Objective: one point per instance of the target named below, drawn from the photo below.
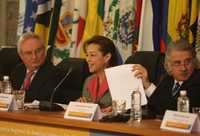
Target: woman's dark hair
(106, 46)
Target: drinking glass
(1, 87)
(118, 107)
(19, 97)
(196, 110)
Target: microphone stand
(49, 105)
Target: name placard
(83, 111)
(179, 121)
(7, 102)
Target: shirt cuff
(149, 91)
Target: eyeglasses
(35, 52)
(178, 63)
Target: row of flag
(133, 25)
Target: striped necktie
(27, 81)
(176, 90)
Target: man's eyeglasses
(186, 62)
(35, 52)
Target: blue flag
(30, 15)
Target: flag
(54, 22)
(197, 47)
(178, 19)
(43, 19)
(74, 34)
(153, 27)
(111, 23)
(63, 40)
(120, 25)
(126, 32)
(111, 19)
(22, 8)
(94, 21)
(137, 24)
(138, 12)
(164, 38)
(193, 11)
(80, 13)
(156, 24)
(30, 16)
(146, 27)
(182, 20)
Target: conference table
(40, 123)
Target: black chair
(8, 61)
(71, 89)
(153, 61)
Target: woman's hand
(107, 109)
(141, 72)
(84, 99)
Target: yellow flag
(94, 21)
(178, 19)
(43, 19)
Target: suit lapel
(38, 80)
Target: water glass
(118, 107)
(19, 97)
(1, 87)
(196, 110)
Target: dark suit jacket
(42, 85)
(162, 99)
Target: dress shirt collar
(179, 82)
(33, 75)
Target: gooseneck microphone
(49, 105)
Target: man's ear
(20, 55)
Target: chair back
(9, 58)
(153, 61)
(73, 84)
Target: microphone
(49, 105)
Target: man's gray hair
(180, 45)
(26, 36)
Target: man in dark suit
(182, 68)
(36, 75)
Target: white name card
(7, 102)
(83, 111)
(180, 121)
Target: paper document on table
(122, 83)
(32, 105)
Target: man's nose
(34, 55)
(183, 66)
(88, 59)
